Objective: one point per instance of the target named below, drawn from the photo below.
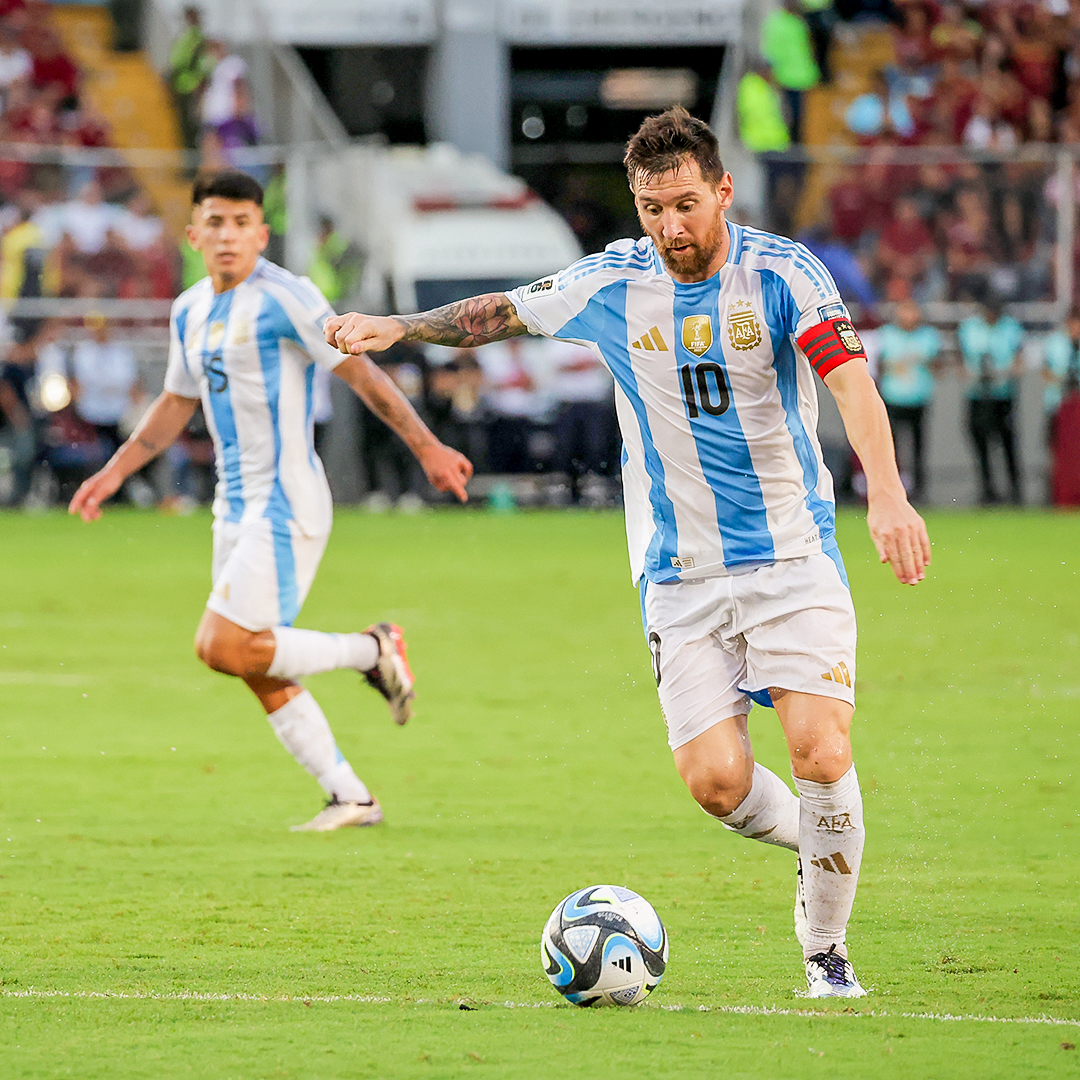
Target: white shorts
(717, 641)
(262, 572)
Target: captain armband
(830, 344)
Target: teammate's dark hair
(227, 184)
(665, 142)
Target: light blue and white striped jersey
(250, 354)
(722, 468)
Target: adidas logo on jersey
(839, 674)
(651, 341)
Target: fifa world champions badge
(744, 330)
(697, 334)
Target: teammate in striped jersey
(246, 340)
(713, 333)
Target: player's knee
(823, 756)
(216, 653)
(719, 791)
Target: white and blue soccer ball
(604, 945)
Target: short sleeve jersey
(250, 353)
(1060, 353)
(722, 469)
(904, 357)
(988, 353)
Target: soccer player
(246, 340)
(713, 333)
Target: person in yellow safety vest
(335, 267)
(786, 45)
(275, 213)
(763, 130)
(762, 126)
(189, 68)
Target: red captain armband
(830, 344)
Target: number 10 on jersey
(705, 387)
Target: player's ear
(192, 235)
(264, 236)
(725, 191)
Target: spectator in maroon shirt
(850, 206)
(35, 120)
(13, 14)
(1034, 49)
(906, 246)
(912, 43)
(52, 66)
(956, 37)
(970, 243)
(951, 105)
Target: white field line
(370, 999)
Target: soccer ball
(604, 945)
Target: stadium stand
(990, 78)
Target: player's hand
(86, 502)
(353, 333)
(900, 536)
(446, 469)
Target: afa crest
(744, 330)
(697, 334)
(848, 336)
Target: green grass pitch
(158, 919)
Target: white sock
(831, 837)
(305, 733)
(769, 813)
(309, 652)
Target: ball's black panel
(587, 972)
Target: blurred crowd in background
(994, 77)
(898, 233)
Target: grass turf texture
(144, 806)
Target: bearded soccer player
(713, 333)
(245, 340)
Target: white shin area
(304, 731)
(769, 813)
(831, 838)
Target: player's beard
(697, 259)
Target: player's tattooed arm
(467, 323)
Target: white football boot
(800, 905)
(828, 974)
(391, 675)
(340, 815)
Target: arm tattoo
(147, 444)
(467, 323)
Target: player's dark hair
(227, 184)
(665, 142)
